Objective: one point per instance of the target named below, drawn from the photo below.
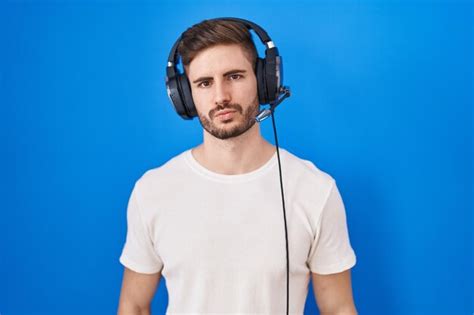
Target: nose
(222, 93)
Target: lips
(223, 112)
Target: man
(210, 219)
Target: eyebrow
(225, 74)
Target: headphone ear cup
(272, 71)
(174, 95)
(261, 82)
(186, 96)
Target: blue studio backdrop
(382, 100)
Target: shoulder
(307, 189)
(302, 169)
(305, 182)
(159, 177)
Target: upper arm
(333, 293)
(137, 290)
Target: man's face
(224, 89)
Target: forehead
(217, 60)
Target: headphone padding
(271, 79)
(186, 96)
(175, 96)
(261, 84)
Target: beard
(241, 120)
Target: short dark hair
(209, 33)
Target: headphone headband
(261, 33)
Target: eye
(204, 84)
(235, 76)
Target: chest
(224, 230)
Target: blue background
(382, 100)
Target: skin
(222, 79)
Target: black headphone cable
(284, 217)
(285, 92)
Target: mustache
(234, 106)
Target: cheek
(200, 99)
(249, 90)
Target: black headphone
(269, 73)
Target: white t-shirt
(219, 240)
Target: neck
(238, 155)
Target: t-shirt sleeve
(331, 251)
(138, 253)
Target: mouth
(224, 112)
(225, 115)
